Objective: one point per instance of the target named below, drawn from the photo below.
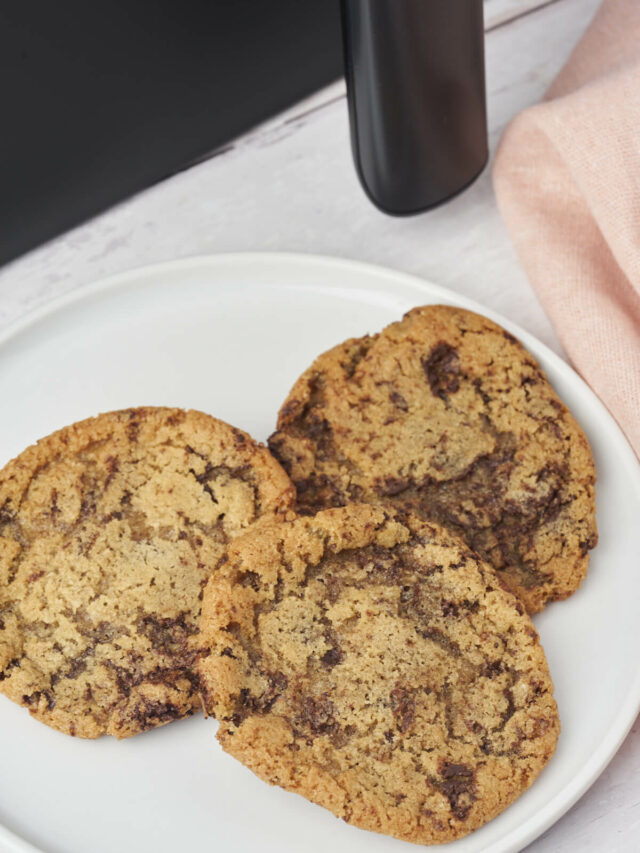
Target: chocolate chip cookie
(109, 530)
(446, 414)
(370, 661)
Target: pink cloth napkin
(567, 180)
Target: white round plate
(229, 335)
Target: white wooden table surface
(290, 185)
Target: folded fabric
(567, 181)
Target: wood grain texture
(500, 12)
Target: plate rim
(627, 712)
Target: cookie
(109, 530)
(368, 660)
(447, 415)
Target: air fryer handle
(416, 93)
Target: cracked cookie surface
(447, 415)
(109, 530)
(368, 660)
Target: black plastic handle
(416, 92)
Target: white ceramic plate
(229, 335)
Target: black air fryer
(101, 100)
